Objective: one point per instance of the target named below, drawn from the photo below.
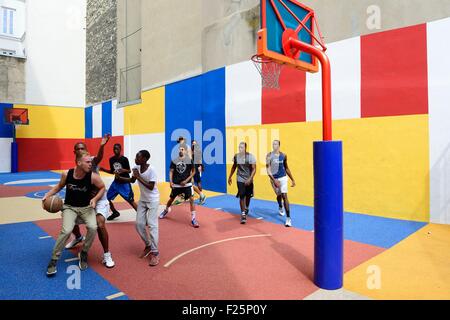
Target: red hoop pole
(326, 83)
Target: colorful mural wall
(390, 109)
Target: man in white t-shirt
(147, 209)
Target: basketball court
(369, 209)
(222, 259)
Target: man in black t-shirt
(120, 166)
(181, 173)
(78, 203)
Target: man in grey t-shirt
(245, 163)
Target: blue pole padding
(14, 158)
(328, 215)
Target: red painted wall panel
(289, 103)
(57, 154)
(394, 72)
(94, 144)
(45, 154)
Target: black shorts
(197, 177)
(186, 191)
(244, 191)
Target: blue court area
(27, 179)
(372, 230)
(41, 194)
(23, 262)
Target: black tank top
(78, 191)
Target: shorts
(283, 186)
(197, 177)
(244, 191)
(102, 208)
(187, 191)
(124, 189)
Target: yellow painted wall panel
(385, 162)
(52, 122)
(147, 116)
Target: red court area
(266, 261)
(13, 191)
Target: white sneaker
(281, 212)
(74, 242)
(288, 222)
(107, 260)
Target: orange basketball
(53, 204)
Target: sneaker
(74, 242)
(114, 215)
(202, 200)
(195, 223)
(51, 268)
(288, 222)
(154, 259)
(108, 261)
(83, 260)
(243, 218)
(163, 214)
(281, 211)
(145, 253)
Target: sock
(201, 195)
(243, 212)
(288, 214)
(192, 215)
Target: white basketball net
(269, 71)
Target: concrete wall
(12, 79)
(171, 41)
(207, 34)
(342, 19)
(101, 50)
(56, 53)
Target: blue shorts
(124, 189)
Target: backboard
(16, 116)
(281, 19)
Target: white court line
(116, 295)
(218, 209)
(29, 181)
(44, 237)
(210, 244)
(71, 259)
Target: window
(7, 15)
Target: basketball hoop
(269, 70)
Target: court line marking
(44, 237)
(29, 181)
(212, 243)
(116, 295)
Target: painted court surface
(220, 260)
